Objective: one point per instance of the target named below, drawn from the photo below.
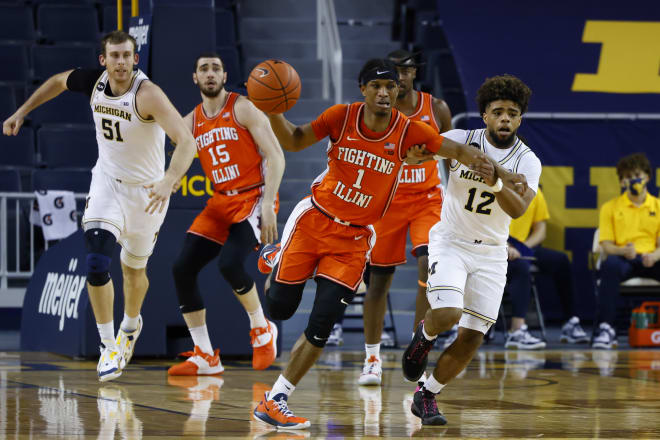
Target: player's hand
(486, 170)
(513, 253)
(159, 193)
(517, 182)
(471, 157)
(630, 253)
(11, 126)
(268, 223)
(418, 154)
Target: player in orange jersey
(241, 156)
(416, 206)
(329, 235)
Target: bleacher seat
(16, 23)
(225, 29)
(67, 108)
(10, 180)
(229, 56)
(67, 180)
(18, 151)
(16, 71)
(68, 23)
(110, 17)
(7, 101)
(49, 60)
(67, 147)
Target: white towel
(55, 212)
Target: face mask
(636, 186)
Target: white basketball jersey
(131, 149)
(470, 211)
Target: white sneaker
(110, 362)
(126, 342)
(522, 339)
(606, 337)
(451, 337)
(371, 372)
(335, 338)
(572, 332)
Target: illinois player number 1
(358, 182)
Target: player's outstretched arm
(152, 103)
(53, 86)
(292, 137)
(260, 129)
(420, 133)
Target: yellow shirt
(622, 222)
(537, 211)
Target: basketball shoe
(372, 372)
(425, 407)
(572, 332)
(264, 349)
(126, 342)
(199, 364)
(110, 362)
(415, 357)
(277, 413)
(522, 339)
(267, 257)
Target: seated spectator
(526, 235)
(629, 231)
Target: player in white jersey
(130, 190)
(467, 249)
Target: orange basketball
(273, 86)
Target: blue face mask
(636, 186)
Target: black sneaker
(416, 355)
(425, 407)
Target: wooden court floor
(502, 394)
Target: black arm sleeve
(83, 80)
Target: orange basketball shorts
(315, 245)
(417, 212)
(222, 211)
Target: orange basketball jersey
(422, 177)
(362, 174)
(228, 154)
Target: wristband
(498, 186)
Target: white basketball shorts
(468, 276)
(120, 208)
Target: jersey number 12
(481, 207)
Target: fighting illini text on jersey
(363, 173)
(425, 176)
(226, 150)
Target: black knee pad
(385, 270)
(100, 245)
(329, 305)
(235, 274)
(422, 251)
(282, 300)
(185, 280)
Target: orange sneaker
(263, 353)
(278, 414)
(267, 257)
(199, 364)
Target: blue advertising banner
(140, 29)
(584, 56)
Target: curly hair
(629, 164)
(505, 87)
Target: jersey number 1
(109, 133)
(489, 198)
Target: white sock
(427, 336)
(281, 386)
(129, 324)
(372, 350)
(257, 318)
(107, 331)
(422, 379)
(433, 385)
(200, 337)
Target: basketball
(273, 86)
